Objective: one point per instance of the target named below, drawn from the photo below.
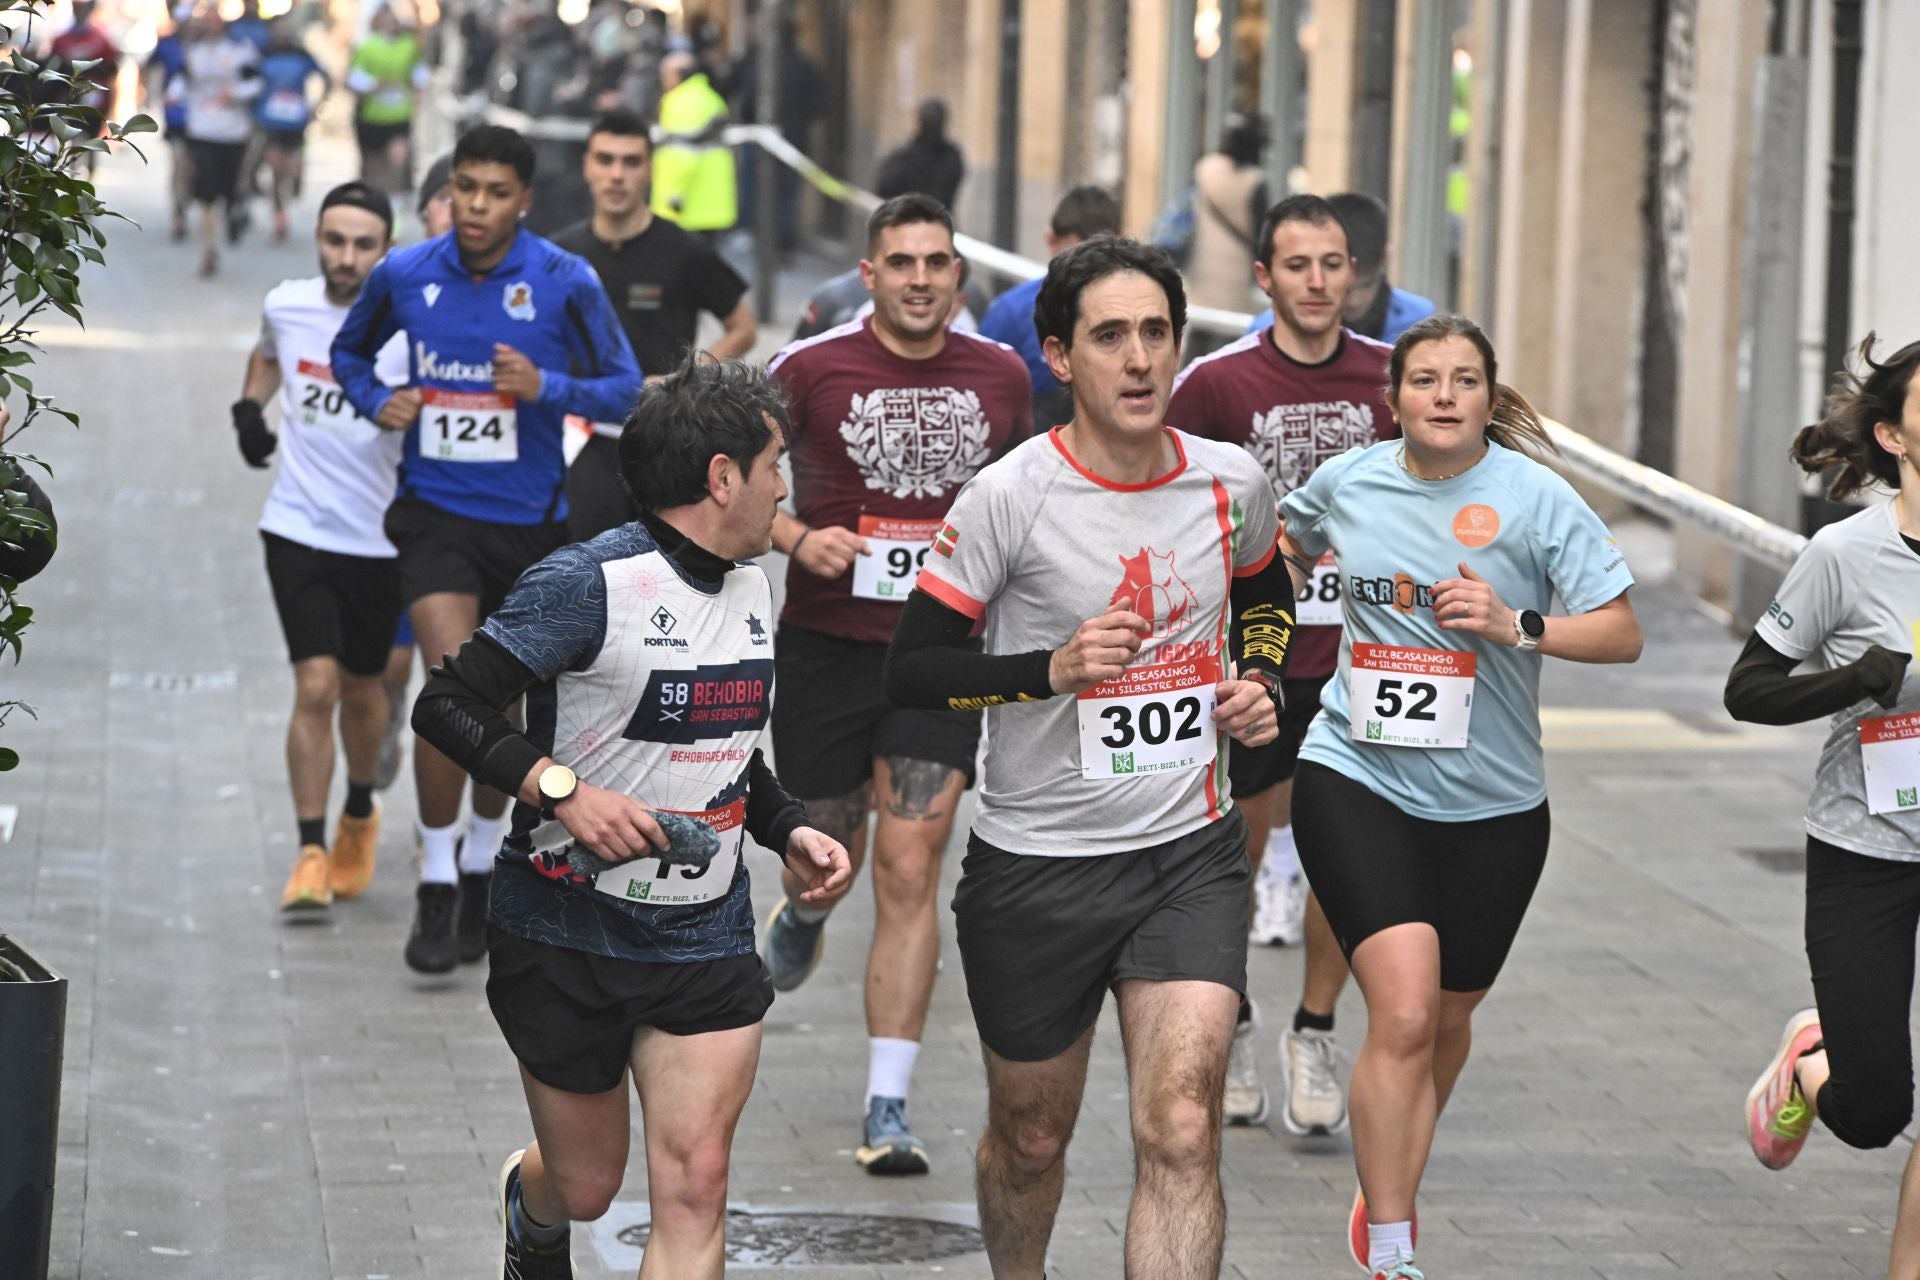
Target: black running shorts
(1252, 770)
(1042, 939)
(440, 551)
(333, 605)
(570, 1016)
(1373, 865)
(216, 169)
(831, 717)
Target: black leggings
(1861, 916)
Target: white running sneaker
(1245, 1100)
(1279, 910)
(1310, 1074)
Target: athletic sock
(313, 831)
(1282, 854)
(359, 800)
(529, 1230)
(484, 837)
(436, 854)
(810, 915)
(890, 1066)
(1388, 1243)
(1304, 1021)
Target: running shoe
(1245, 1100)
(307, 888)
(890, 1146)
(388, 766)
(471, 929)
(354, 842)
(1310, 1078)
(519, 1261)
(1279, 911)
(793, 948)
(431, 947)
(1778, 1114)
(1401, 1270)
(1357, 1235)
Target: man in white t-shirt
(328, 560)
(1136, 618)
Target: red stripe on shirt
(1265, 560)
(949, 595)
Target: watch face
(1532, 623)
(557, 782)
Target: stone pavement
(246, 1099)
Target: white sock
(436, 854)
(484, 837)
(890, 1066)
(810, 915)
(1388, 1243)
(1282, 854)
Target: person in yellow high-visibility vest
(693, 174)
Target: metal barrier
(1580, 456)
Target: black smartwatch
(1266, 681)
(1528, 628)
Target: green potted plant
(50, 224)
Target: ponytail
(1843, 439)
(1515, 424)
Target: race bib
(1153, 719)
(469, 426)
(897, 550)
(1410, 697)
(319, 404)
(393, 95)
(1890, 757)
(1319, 604)
(285, 107)
(658, 883)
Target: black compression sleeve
(929, 665)
(1262, 631)
(1761, 690)
(772, 814)
(461, 712)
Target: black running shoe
(430, 947)
(519, 1261)
(472, 927)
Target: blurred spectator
(928, 162)
(803, 97)
(387, 72)
(164, 79)
(693, 177)
(251, 27)
(1229, 199)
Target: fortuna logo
(1153, 589)
(663, 620)
(430, 365)
(518, 300)
(431, 293)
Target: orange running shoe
(307, 888)
(1357, 1231)
(353, 851)
(1778, 1115)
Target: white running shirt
(338, 471)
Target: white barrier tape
(1646, 488)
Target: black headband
(358, 195)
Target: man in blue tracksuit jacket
(506, 335)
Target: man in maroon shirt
(892, 414)
(1295, 395)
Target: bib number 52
(1411, 700)
(1154, 724)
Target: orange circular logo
(1476, 525)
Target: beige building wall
(1146, 112)
(1333, 63)
(1530, 179)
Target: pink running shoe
(1778, 1114)
(1357, 1243)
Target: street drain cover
(814, 1239)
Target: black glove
(1882, 672)
(256, 442)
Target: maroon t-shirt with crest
(1291, 417)
(881, 444)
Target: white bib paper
(320, 405)
(1890, 758)
(1319, 604)
(652, 881)
(1400, 697)
(897, 550)
(1153, 719)
(469, 426)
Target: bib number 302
(469, 426)
(1155, 719)
(1398, 697)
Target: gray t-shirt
(1036, 545)
(1857, 584)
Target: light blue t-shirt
(1519, 526)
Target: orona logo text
(431, 365)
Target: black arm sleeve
(772, 814)
(1761, 690)
(461, 712)
(1262, 630)
(929, 665)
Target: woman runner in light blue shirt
(1420, 805)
